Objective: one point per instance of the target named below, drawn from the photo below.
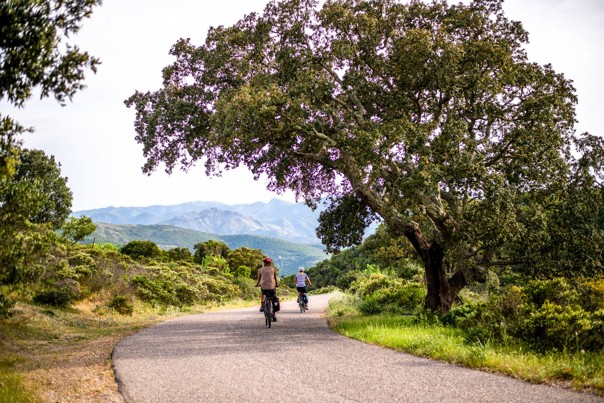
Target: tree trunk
(441, 292)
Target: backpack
(276, 304)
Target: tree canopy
(427, 116)
(35, 56)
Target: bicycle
(301, 298)
(268, 311)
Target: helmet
(267, 260)
(300, 268)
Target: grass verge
(580, 371)
(51, 354)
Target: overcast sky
(93, 137)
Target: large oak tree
(427, 116)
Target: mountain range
(293, 222)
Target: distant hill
(288, 256)
(293, 222)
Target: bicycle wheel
(268, 309)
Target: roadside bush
(62, 294)
(394, 296)
(556, 327)
(165, 290)
(247, 287)
(591, 294)
(243, 271)
(545, 315)
(6, 304)
(121, 305)
(365, 286)
(182, 284)
(346, 280)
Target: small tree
(76, 229)
(180, 254)
(246, 257)
(210, 248)
(137, 249)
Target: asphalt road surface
(231, 356)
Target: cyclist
(300, 281)
(267, 280)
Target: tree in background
(428, 116)
(210, 248)
(76, 229)
(138, 249)
(37, 190)
(180, 254)
(247, 258)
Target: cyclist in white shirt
(300, 280)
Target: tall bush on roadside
(545, 315)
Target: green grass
(12, 388)
(581, 371)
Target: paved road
(231, 356)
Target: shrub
(556, 327)
(371, 305)
(6, 304)
(591, 294)
(138, 249)
(243, 271)
(180, 254)
(392, 296)
(121, 304)
(556, 290)
(545, 315)
(60, 295)
(365, 286)
(247, 287)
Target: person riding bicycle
(268, 282)
(300, 281)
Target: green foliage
(39, 192)
(247, 287)
(24, 250)
(76, 229)
(121, 304)
(141, 249)
(379, 293)
(33, 53)
(210, 248)
(243, 271)
(34, 200)
(60, 294)
(247, 258)
(180, 254)
(545, 315)
(380, 252)
(293, 255)
(6, 304)
(180, 285)
(217, 263)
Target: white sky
(93, 137)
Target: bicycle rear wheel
(268, 311)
